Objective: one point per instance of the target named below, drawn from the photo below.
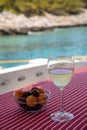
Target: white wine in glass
(61, 69)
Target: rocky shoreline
(20, 24)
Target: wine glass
(61, 69)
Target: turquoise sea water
(67, 41)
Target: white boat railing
(35, 71)
(17, 77)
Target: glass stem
(61, 103)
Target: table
(75, 99)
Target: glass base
(62, 116)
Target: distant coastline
(20, 24)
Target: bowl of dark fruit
(32, 99)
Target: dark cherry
(35, 92)
(37, 107)
(26, 94)
(34, 88)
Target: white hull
(17, 77)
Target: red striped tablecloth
(75, 99)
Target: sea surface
(67, 41)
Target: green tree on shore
(38, 7)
